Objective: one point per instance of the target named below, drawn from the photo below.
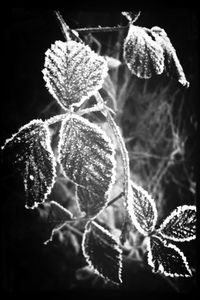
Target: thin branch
(124, 153)
(77, 220)
(65, 28)
(115, 199)
(87, 218)
(102, 29)
(63, 25)
(94, 108)
(77, 231)
(135, 154)
(98, 107)
(73, 229)
(67, 31)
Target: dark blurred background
(27, 264)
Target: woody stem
(124, 153)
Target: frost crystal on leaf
(180, 225)
(30, 149)
(102, 252)
(143, 56)
(73, 72)
(172, 65)
(87, 158)
(166, 258)
(142, 210)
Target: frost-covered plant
(86, 155)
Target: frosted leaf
(166, 258)
(30, 149)
(142, 210)
(180, 225)
(102, 252)
(73, 72)
(143, 56)
(87, 158)
(172, 64)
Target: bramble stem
(77, 231)
(65, 28)
(59, 118)
(102, 29)
(97, 107)
(74, 229)
(69, 227)
(124, 153)
(115, 199)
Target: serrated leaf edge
(112, 157)
(175, 212)
(87, 229)
(35, 121)
(131, 211)
(48, 145)
(150, 40)
(172, 246)
(48, 148)
(94, 56)
(172, 53)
